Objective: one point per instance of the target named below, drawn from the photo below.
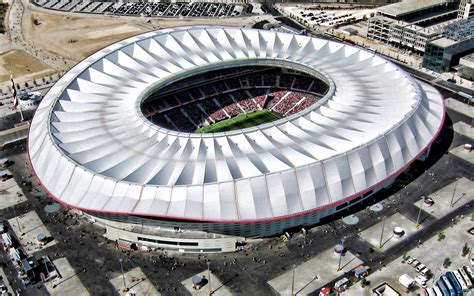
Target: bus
(469, 272)
(438, 291)
(449, 287)
(442, 287)
(454, 282)
(465, 277)
(461, 281)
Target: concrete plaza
(31, 225)
(11, 194)
(464, 129)
(136, 282)
(463, 154)
(374, 236)
(459, 107)
(314, 273)
(69, 283)
(458, 192)
(217, 287)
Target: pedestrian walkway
(457, 193)
(314, 273)
(217, 287)
(462, 153)
(464, 129)
(136, 282)
(459, 107)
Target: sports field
(240, 122)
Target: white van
(342, 284)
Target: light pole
(209, 276)
(125, 289)
(340, 255)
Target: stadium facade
(93, 149)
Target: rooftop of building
(405, 7)
(468, 58)
(443, 42)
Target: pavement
(136, 282)
(11, 193)
(447, 198)
(313, 274)
(381, 235)
(464, 129)
(69, 283)
(460, 107)
(30, 226)
(463, 154)
(217, 287)
(4, 281)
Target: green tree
(465, 250)
(446, 263)
(441, 236)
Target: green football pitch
(240, 122)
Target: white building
(29, 100)
(92, 148)
(466, 9)
(410, 24)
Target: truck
(406, 281)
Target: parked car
(450, 80)
(410, 260)
(342, 284)
(420, 267)
(421, 280)
(415, 263)
(425, 271)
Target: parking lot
(315, 273)
(427, 253)
(148, 9)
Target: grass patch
(240, 122)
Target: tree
(446, 263)
(441, 236)
(465, 250)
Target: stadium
(196, 138)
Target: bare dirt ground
(64, 39)
(21, 64)
(76, 36)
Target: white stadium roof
(92, 148)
